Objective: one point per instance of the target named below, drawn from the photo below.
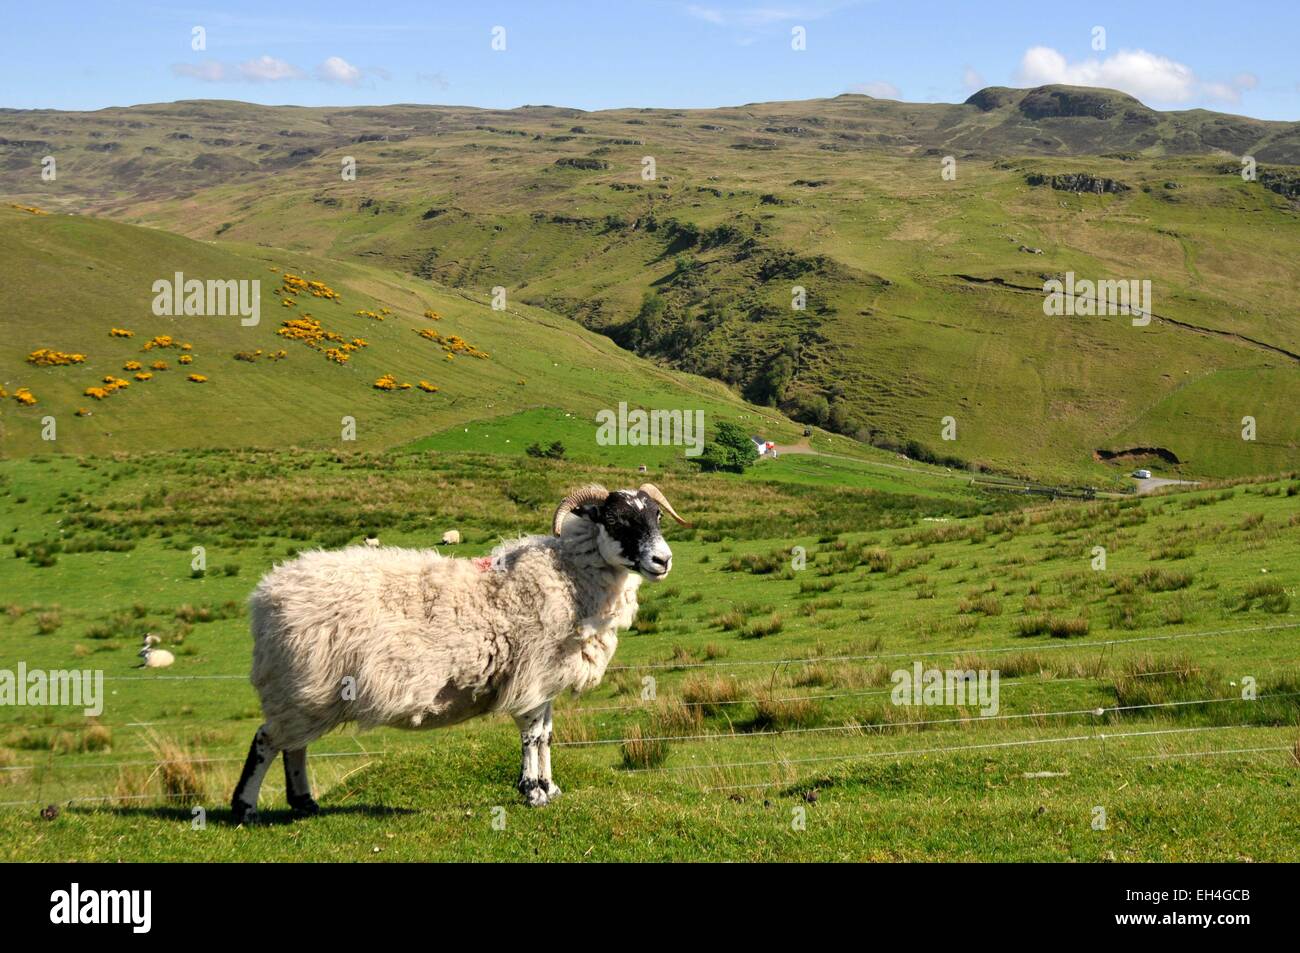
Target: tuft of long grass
(179, 773)
(710, 693)
(641, 751)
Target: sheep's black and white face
(628, 533)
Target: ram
(411, 639)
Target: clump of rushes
(640, 751)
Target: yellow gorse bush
(24, 396)
(131, 366)
(452, 343)
(47, 357)
(111, 385)
(197, 379)
(310, 331)
(295, 284)
(120, 333)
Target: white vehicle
(1142, 474)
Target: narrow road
(1151, 484)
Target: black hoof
(304, 806)
(534, 794)
(243, 813)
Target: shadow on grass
(265, 818)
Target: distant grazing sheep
(413, 639)
(451, 538)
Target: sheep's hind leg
(530, 739)
(544, 757)
(297, 786)
(243, 803)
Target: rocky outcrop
(1047, 102)
(1078, 182)
(1137, 453)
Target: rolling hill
(923, 292)
(69, 280)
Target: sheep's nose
(660, 564)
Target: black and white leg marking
(531, 727)
(297, 786)
(544, 757)
(244, 801)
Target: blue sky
(617, 53)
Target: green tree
(731, 450)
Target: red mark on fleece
(482, 563)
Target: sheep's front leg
(531, 726)
(544, 757)
(243, 803)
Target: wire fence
(961, 650)
(710, 737)
(812, 659)
(884, 726)
(942, 749)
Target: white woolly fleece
(412, 639)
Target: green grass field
(776, 734)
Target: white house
(763, 446)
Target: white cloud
(877, 89)
(338, 70)
(267, 69)
(971, 79)
(1148, 76)
(208, 71)
(755, 18)
(264, 69)
(707, 14)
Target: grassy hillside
(923, 294)
(69, 280)
(772, 683)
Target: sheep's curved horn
(591, 493)
(652, 491)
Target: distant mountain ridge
(208, 140)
